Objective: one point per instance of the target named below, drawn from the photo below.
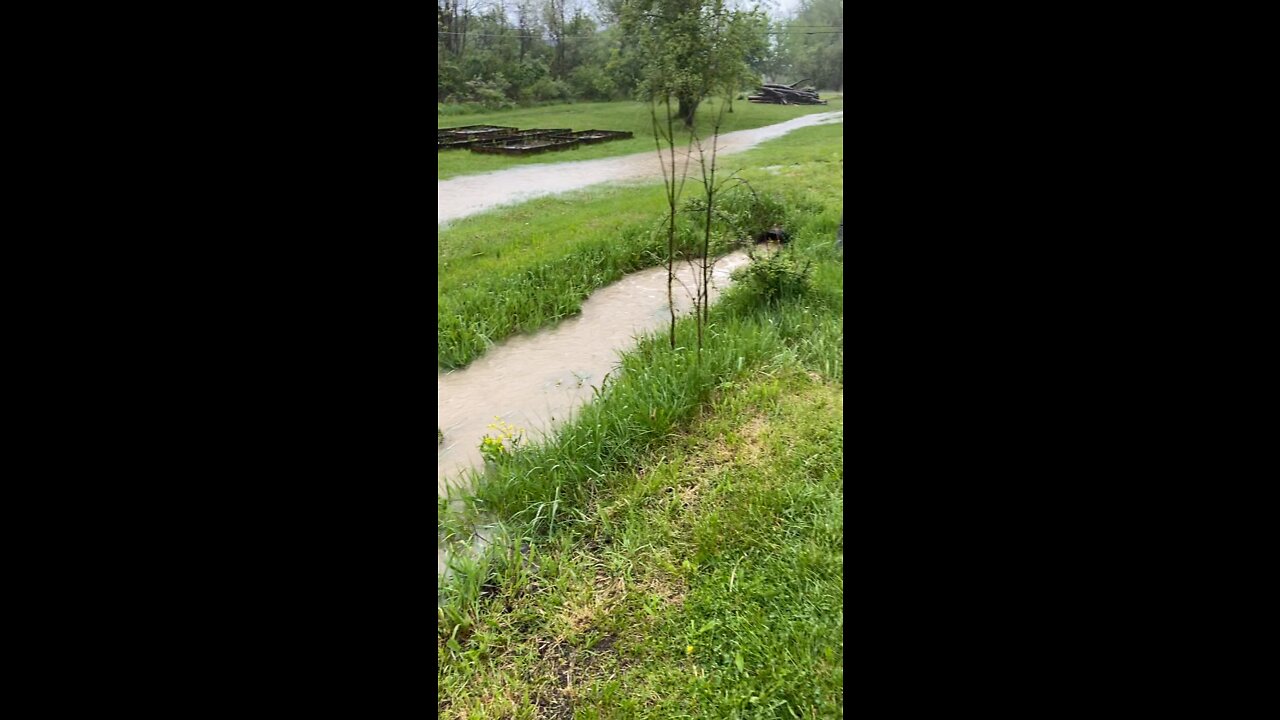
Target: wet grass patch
(706, 582)
(524, 268)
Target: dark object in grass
(840, 236)
(773, 234)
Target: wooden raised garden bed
(478, 130)
(589, 137)
(499, 140)
(460, 137)
(540, 132)
(523, 145)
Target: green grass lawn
(681, 541)
(626, 115)
(707, 583)
(522, 268)
(677, 549)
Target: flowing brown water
(462, 196)
(536, 381)
(533, 381)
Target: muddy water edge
(535, 381)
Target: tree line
(503, 53)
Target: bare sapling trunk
(669, 191)
(673, 186)
(706, 265)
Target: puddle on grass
(485, 535)
(534, 381)
(469, 194)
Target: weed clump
(503, 443)
(773, 277)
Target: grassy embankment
(678, 547)
(703, 581)
(626, 116)
(524, 268)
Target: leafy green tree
(497, 52)
(690, 49)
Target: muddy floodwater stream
(469, 194)
(533, 381)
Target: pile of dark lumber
(786, 95)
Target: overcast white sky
(783, 7)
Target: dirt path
(467, 195)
